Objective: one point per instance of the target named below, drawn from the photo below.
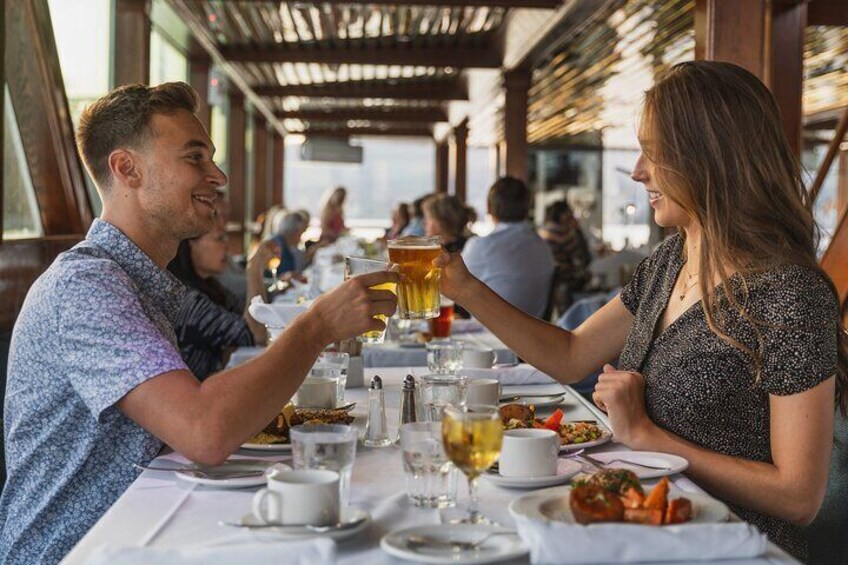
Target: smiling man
(95, 378)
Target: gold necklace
(688, 285)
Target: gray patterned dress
(703, 389)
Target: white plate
(277, 447)
(606, 435)
(552, 505)
(235, 465)
(493, 550)
(565, 470)
(675, 463)
(539, 401)
(349, 514)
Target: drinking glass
(444, 357)
(341, 362)
(431, 479)
(326, 446)
(441, 325)
(472, 436)
(439, 391)
(355, 266)
(418, 291)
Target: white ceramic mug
(307, 496)
(529, 453)
(316, 392)
(483, 391)
(478, 358)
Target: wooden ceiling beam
(370, 131)
(541, 4)
(827, 13)
(402, 115)
(483, 57)
(443, 91)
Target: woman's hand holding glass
(456, 282)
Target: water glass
(342, 362)
(431, 479)
(355, 266)
(326, 446)
(438, 391)
(444, 357)
(323, 368)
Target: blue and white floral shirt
(95, 325)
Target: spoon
(310, 527)
(415, 541)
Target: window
(167, 63)
(21, 218)
(481, 176)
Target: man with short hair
(95, 378)
(512, 260)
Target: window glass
(167, 63)
(21, 218)
(82, 32)
(481, 176)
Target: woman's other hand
(621, 394)
(456, 281)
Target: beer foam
(416, 247)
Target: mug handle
(274, 506)
(495, 360)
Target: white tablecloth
(391, 354)
(159, 510)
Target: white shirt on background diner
(514, 262)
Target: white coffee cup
(307, 496)
(483, 391)
(316, 392)
(529, 453)
(478, 358)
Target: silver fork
(215, 475)
(600, 463)
(415, 540)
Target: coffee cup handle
(495, 358)
(274, 506)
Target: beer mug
(418, 291)
(355, 266)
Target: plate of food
(275, 436)
(572, 435)
(617, 496)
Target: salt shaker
(376, 434)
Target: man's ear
(125, 168)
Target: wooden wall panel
(131, 42)
(237, 173)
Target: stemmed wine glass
(273, 265)
(472, 436)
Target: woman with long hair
(730, 339)
(332, 215)
(447, 217)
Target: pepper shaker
(376, 434)
(407, 402)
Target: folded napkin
(557, 542)
(522, 374)
(316, 551)
(274, 315)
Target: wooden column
(278, 172)
(516, 85)
(460, 143)
(442, 166)
(131, 42)
(199, 65)
(260, 165)
(764, 37)
(236, 160)
(842, 182)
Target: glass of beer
(355, 266)
(472, 436)
(418, 291)
(440, 326)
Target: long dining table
(161, 511)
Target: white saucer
(493, 550)
(565, 470)
(606, 435)
(539, 401)
(675, 463)
(349, 514)
(235, 465)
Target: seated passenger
(447, 217)
(212, 320)
(290, 230)
(512, 260)
(95, 378)
(730, 336)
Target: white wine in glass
(355, 266)
(472, 436)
